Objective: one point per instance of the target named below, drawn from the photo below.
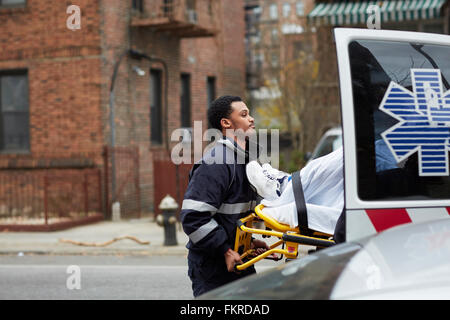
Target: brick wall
(70, 72)
(63, 75)
(63, 69)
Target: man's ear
(225, 123)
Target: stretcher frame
(289, 239)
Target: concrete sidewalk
(18, 243)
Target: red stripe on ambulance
(383, 219)
(364, 222)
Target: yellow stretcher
(287, 245)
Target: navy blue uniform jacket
(217, 196)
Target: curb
(52, 227)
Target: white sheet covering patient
(322, 181)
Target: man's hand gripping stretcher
(295, 208)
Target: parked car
(330, 141)
(405, 262)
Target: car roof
(400, 260)
(334, 131)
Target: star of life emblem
(424, 121)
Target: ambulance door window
(402, 119)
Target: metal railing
(178, 11)
(41, 198)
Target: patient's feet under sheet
(323, 187)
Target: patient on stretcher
(323, 188)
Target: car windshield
(402, 117)
(329, 144)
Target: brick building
(270, 24)
(56, 78)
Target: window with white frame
(273, 11)
(300, 8)
(286, 9)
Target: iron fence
(49, 199)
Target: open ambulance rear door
(395, 101)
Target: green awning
(352, 12)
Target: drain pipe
(113, 125)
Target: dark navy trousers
(208, 273)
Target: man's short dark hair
(221, 108)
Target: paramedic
(218, 194)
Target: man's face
(240, 118)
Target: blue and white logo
(424, 121)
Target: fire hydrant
(167, 219)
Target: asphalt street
(42, 277)
(93, 277)
(37, 265)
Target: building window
(273, 11)
(210, 8)
(138, 5)
(258, 59)
(190, 4)
(14, 116)
(12, 3)
(256, 39)
(156, 106)
(286, 9)
(274, 34)
(300, 8)
(210, 92)
(274, 60)
(168, 8)
(185, 100)
(211, 89)
(257, 11)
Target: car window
(329, 144)
(401, 124)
